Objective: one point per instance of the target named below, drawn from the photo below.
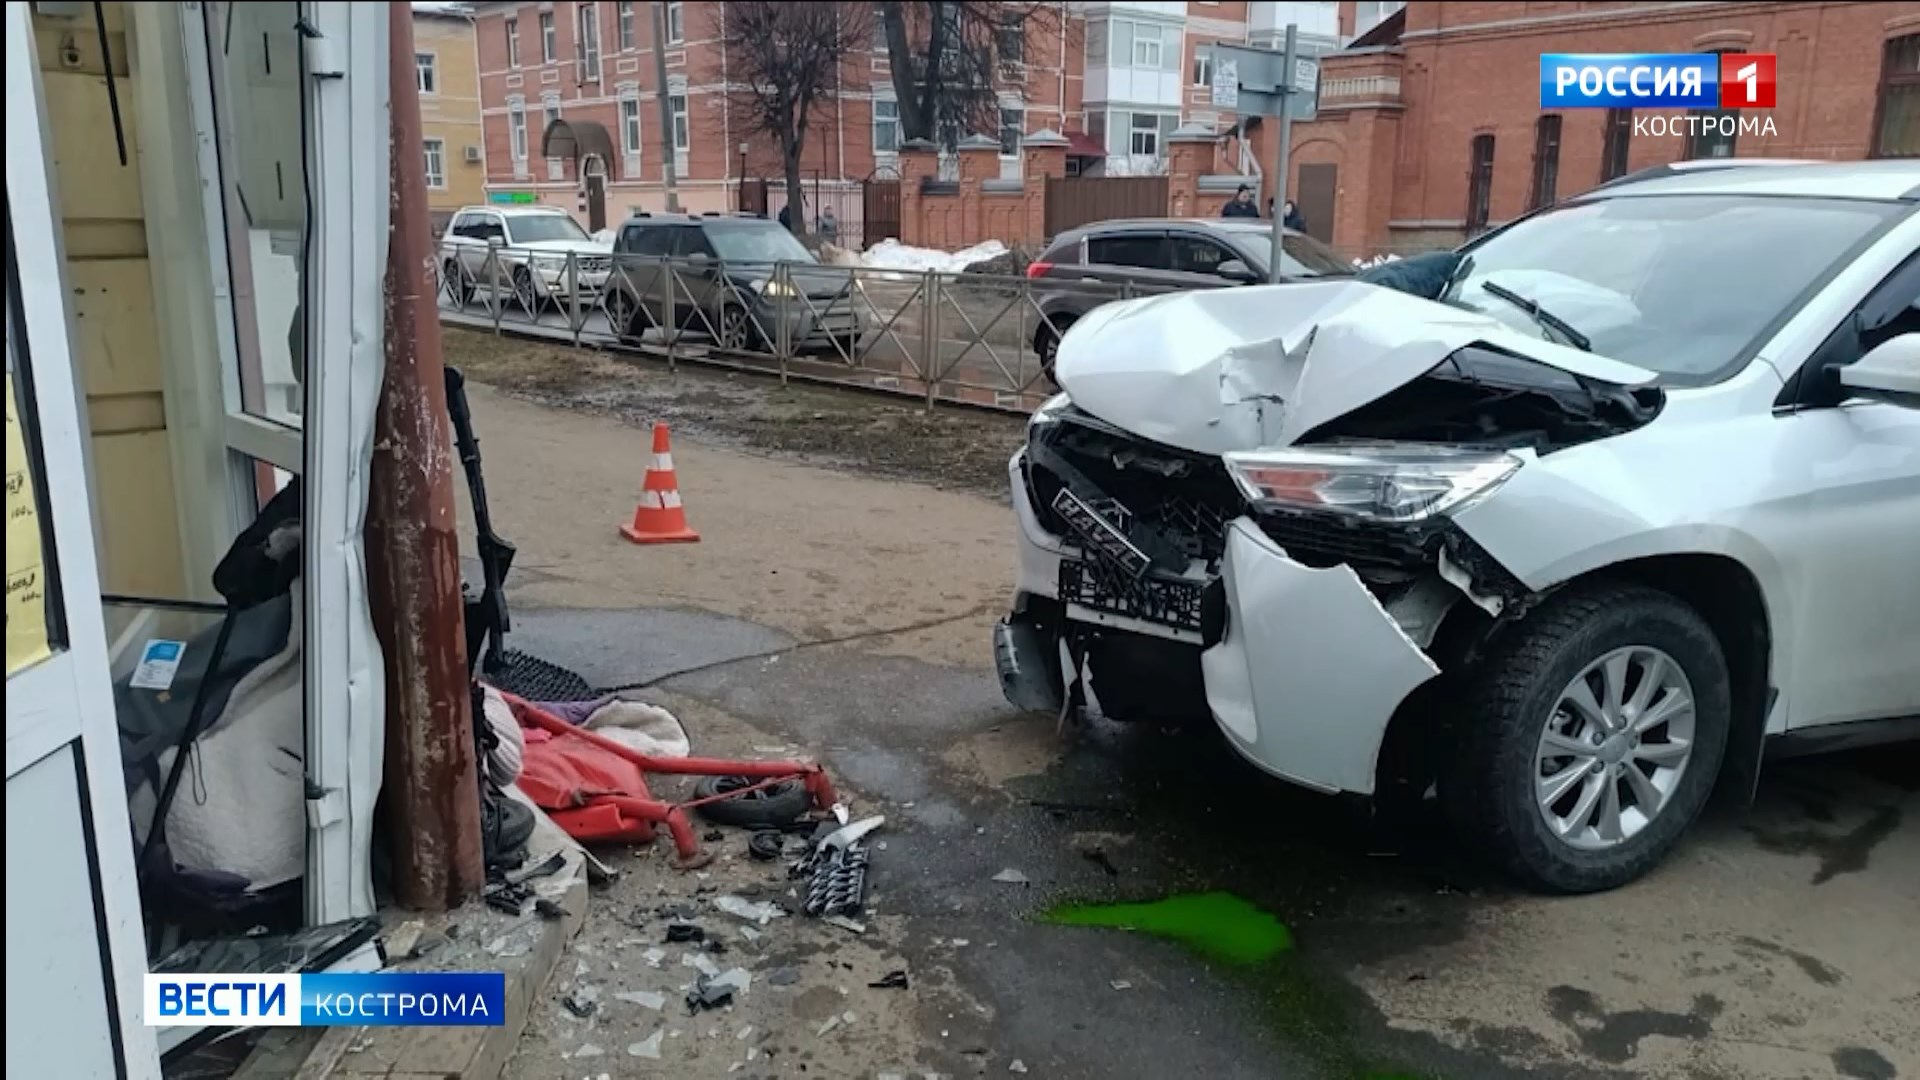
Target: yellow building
(448, 74)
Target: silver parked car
(530, 246)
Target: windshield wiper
(1546, 319)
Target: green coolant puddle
(1218, 924)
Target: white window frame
(676, 24)
(549, 38)
(587, 40)
(625, 26)
(435, 150)
(889, 123)
(632, 130)
(1158, 41)
(682, 125)
(426, 71)
(1134, 130)
(1202, 67)
(517, 131)
(513, 42)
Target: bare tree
(950, 57)
(786, 58)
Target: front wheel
(1591, 738)
(737, 332)
(525, 292)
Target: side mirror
(1235, 270)
(1890, 372)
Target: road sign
(1306, 74)
(1226, 83)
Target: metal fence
(974, 338)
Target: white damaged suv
(1633, 500)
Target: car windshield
(1682, 285)
(534, 228)
(1301, 255)
(756, 242)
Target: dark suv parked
(1161, 255)
(725, 281)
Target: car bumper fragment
(1310, 668)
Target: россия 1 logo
(1657, 80)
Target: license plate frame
(1163, 601)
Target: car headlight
(766, 287)
(1049, 410)
(1378, 481)
(550, 263)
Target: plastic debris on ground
(892, 980)
(762, 913)
(1010, 876)
(681, 932)
(1016, 1066)
(844, 923)
(714, 991)
(646, 999)
(583, 1002)
(648, 1048)
(587, 1050)
(1121, 984)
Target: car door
(1196, 260)
(453, 244)
(1131, 262)
(698, 291)
(488, 231)
(1847, 526)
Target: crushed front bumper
(1302, 674)
(1310, 669)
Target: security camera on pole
(1266, 82)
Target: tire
(1046, 343)
(736, 331)
(523, 289)
(621, 313)
(769, 807)
(458, 285)
(1504, 761)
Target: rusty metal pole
(430, 794)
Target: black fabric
(1237, 209)
(265, 558)
(505, 823)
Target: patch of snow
(891, 254)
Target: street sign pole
(1285, 138)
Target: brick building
(593, 62)
(1115, 77)
(1429, 127)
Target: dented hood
(1234, 369)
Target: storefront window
(253, 52)
(35, 624)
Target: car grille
(595, 264)
(1172, 504)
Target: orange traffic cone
(659, 519)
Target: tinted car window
(691, 241)
(536, 227)
(1144, 251)
(460, 224)
(649, 240)
(1199, 255)
(487, 228)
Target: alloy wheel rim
(733, 329)
(1614, 749)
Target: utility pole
(431, 796)
(666, 107)
(1285, 139)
